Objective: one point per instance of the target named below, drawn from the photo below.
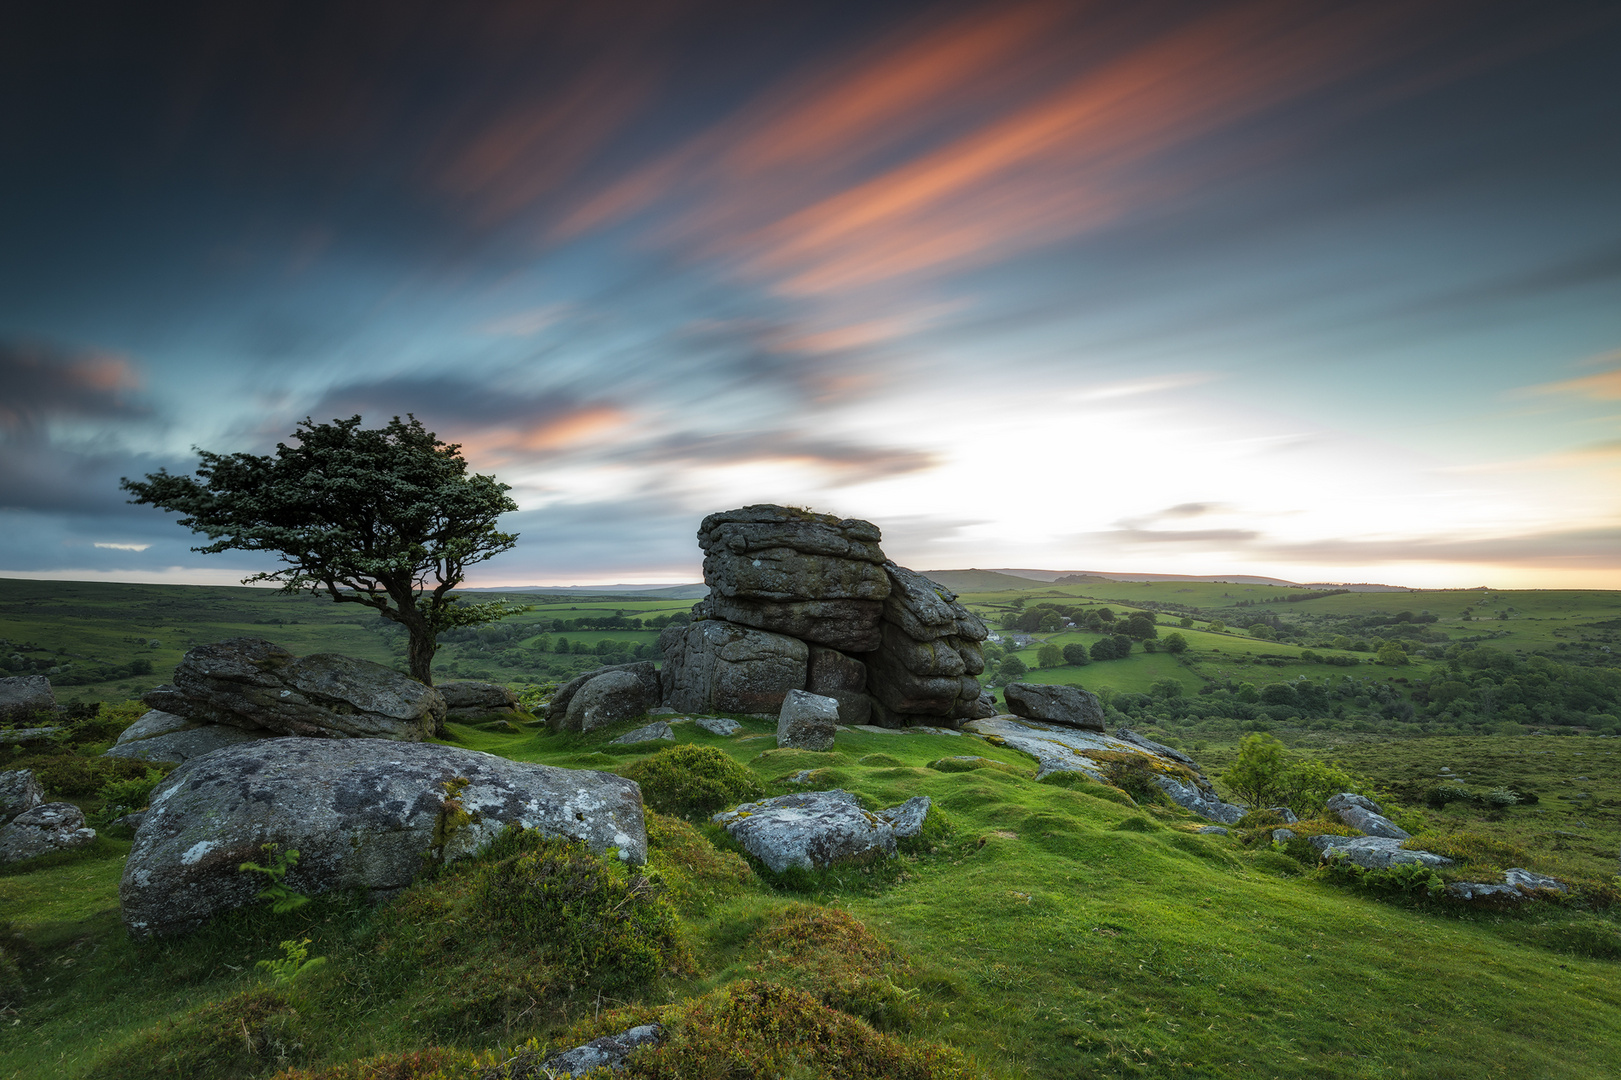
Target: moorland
(1044, 928)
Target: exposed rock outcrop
(887, 644)
(610, 1051)
(48, 827)
(814, 577)
(716, 666)
(820, 828)
(360, 812)
(252, 684)
(1374, 852)
(1069, 705)
(807, 721)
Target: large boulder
(161, 736)
(807, 721)
(645, 672)
(1069, 705)
(20, 791)
(811, 576)
(842, 678)
(1365, 815)
(715, 666)
(251, 683)
(361, 813)
(608, 699)
(48, 827)
(820, 828)
(22, 696)
(928, 654)
(469, 699)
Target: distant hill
(664, 592)
(997, 580)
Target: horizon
(1326, 294)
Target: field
(1055, 932)
(1044, 930)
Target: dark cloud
(46, 382)
(850, 462)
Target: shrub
(72, 776)
(592, 917)
(693, 781)
(119, 797)
(1135, 776)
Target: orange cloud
(1605, 386)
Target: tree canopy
(385, 517)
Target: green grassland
(1048, 931)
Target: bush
(243, 1035)
(119, 797)
(693, 782)
(1135, 776)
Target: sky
(1327, 291)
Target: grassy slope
(1057, 934)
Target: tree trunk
(419, 652)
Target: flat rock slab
(1374, 852)
(46, 828)
(162, 736)
(361, 813)
(719, 725)
(1057, 747)
(659, 729)
(819, 829)
(1193, 799)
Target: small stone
(807, 721)
(610, 1051)
(1282, 836)
(46, 828)
(1212, 830)
(719, 725)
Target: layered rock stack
(804, 601)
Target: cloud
(1181, 536)
(1592, 548)
(45, 382)
(122, 547)
(846, 463)
(1605, 386)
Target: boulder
(811, 576)
(1483, 892)
(362, 814)
(607, 699)
(1283, 836)
(714, 666)
(557, 709)
(251, 683)
(469, 699)
(1363, 814)
(1374, 852)
(48, 827)
(22, 696)
(831, 673)
(811, 830)
(719, 725)
(659, 729)
(1069, 705)
(1212, 830)
(20, 791)
(807, 721)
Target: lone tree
(385, 517)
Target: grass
(1054, 932)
